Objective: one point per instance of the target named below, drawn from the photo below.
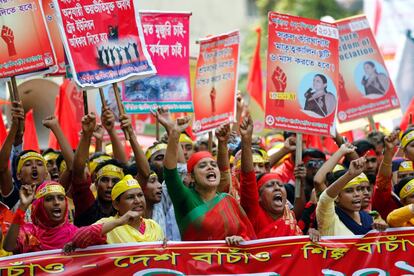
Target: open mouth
(356, 202)
(108, 194)
(55, 176)
(57, 213)
(278, 199)
(211, 177)
(35, 174)
(139, 208)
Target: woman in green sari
(201, 212)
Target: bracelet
(386, 164)
(19, 217)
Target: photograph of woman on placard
(374, 83)
(318, 99)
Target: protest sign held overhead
(25, 45)
(216, 81)
(103, 41)
(302, 72)
(167, 36)
(50, 16)
(365, 87)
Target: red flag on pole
(254, 80)
(30, 140)
(66, 117)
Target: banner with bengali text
(216, 81)
(365, 87)
(377, 253)
(167, 36)
(25, 45)
(103, 41)
(302, 73)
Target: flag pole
(120, 106)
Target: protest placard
(365, 87)
(302, 72)
(216, 81)
(167, 36)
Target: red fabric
(30, 141)
(382, 199)
(267, 177)
(313, 141)
(3, 131)
(254, 80)
(285, 171)
(370, 153)
(6, 217)
(88, 236)
(263, 223)
(330, 145)
(195, 157)
(82, 196)
(406, 118)
(66, 117)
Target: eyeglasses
(314, 164)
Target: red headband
(370, 153)
(267, 177)
(195, 157)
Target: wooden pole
(102, 96)
(9, 84)
(298, 159)
(372, 123)
(120, 106)
(16, 97)
(85, 102)
(210, 141)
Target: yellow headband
(356, 181)
(62, 166)
(51, 156)
(338, 167)
(264, 155)
(406, 166)
(257, 158)
(185, 139)
(110, 170)
(96, 161)
(151, 150)
(48, 189)
(407, 138)
(407, 190)
(29, 156)
(127, 183)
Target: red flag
(66, 117)
(254, 80)
(3, 131)
(406, 118)
(30, 140)
(378, 13)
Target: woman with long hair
(318, 99)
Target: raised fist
(8, 37)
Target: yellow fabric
(407, 190)
(257, 158)
(151, 150)
(62, 166)
(407, 139)
(51, 156)
(96, 161)
(265, 156)
(185, 139)
(48, 189)
(110, 170)
(338, 167)
(125, 184)
(329, 223)
(356, 181)
(127, 233)
(406, 166)
(401, 217)
(29, 156)
(4, 253)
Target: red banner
(216, 81)
(365, 87)
(386, 253)
(103, 40)
(302, 72)
(25, 46)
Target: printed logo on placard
(197, 126)
(342, 115)
(270, 120)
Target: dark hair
(315, 153)
(287, 134)
(401, 184)
(331, 177)
(59, 160)
(324, 80)
(112, 162)
(49, 150)
(362, 146)
(376, 138)
(370, 63)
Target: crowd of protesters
(241, 188)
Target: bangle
(19, 217)
(386, 164)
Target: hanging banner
(167, 36)
(365, 87)
(103, 41)
(50, 15)
(25, 46)
(302, 72)
(386, 253)
(216, 81)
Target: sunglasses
(314, 164)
